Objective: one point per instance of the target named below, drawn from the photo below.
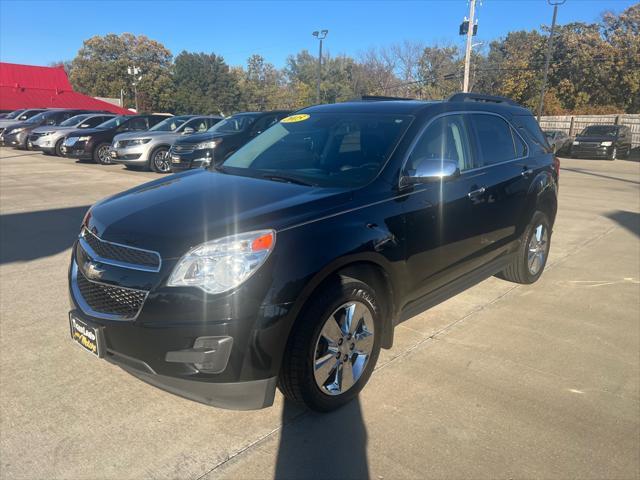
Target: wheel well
(375, 276)
(549, 206)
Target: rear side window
(137, 124)
(496, 139)
(95, 121)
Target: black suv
(95, 143)
(221, 140)
(602, 141)
(291, 263)
(17, 134)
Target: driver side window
(446, 138)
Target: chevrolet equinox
(289, 264)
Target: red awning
(26, 86)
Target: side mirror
(85, 125)
(51, 122)
(431, 170)
(188, 131)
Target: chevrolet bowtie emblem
(92, 271)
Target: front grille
(104, 299)
(589, 144)
(121, 254)
(182, 148)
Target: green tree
(100, 69)
(205, 84)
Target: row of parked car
(160, 142)
(595, 141)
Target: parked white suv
(149, 149)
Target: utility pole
(320, 35)
(467, 54)
(555, 4)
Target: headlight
(220, 265)
(139, 141)
(576, 142)
(209, 144)
(44, 134)
(84, 139)
(606, 144)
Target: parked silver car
(49, 138)
(150, 149)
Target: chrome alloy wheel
(343, 348)
(103, 154)
(161, 160)
(537, 250)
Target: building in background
(28, 86)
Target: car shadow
(628, 220)
(322, 446)
(28, 236)
(586, 172)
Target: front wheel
(614, 154)
(159, 160)
(58, 147)
(101, 154)
(531, 258)
(333, 347)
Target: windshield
(609, 130)
(37, 118)
(331, 150)
(170, 124)
(14, 114)
(234, 124)
(73, 121)
(114, 122)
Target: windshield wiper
(287, 179)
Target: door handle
(526, 172)
(477, 192)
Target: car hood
(595, 138)
(202, 137)
(12, 125)
(145, 134)
(53, 128)
(175, 213)
(82, 132)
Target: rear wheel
(529, 262)
(333, 348)
(159, 160)
(101, 154)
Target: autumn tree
(100, 69)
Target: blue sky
(40, 32)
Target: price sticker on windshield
(295, 118)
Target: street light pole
(134, 71)
(320, 35)
(555, 4)
(467, 54)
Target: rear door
(500, 183)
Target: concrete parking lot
(503, 381)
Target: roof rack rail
(377, 98)
(479, 97)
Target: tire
(101, 154)
(58, 147)
(614, 154)
(626, 154)
(520, 269)
(159, 160)
(321, 335)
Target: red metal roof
(27, 86)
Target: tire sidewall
(349, 290)
(57, 148)
(539, 218)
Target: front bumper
(16, 140)
(133, 155)
(41, 143)
(80, 150)
(223, 351)
(181, 161)
(580, 151)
